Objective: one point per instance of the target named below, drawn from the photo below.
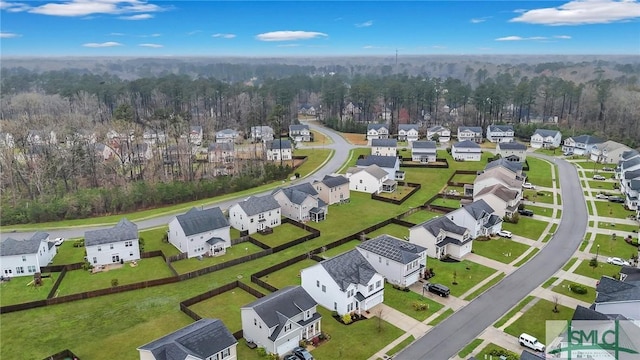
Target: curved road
(340, 156)
(447, 338)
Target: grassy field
(468, 274)
(485, 353)
(289, 275)
(617, 227)
(153, 240)
(484, 287)
(524, 260)
(513, 311)
(590, 165)
(340, 249)
(404, 343)
(606, 246)
(355, 139)
(464, 178)
(21, 289)
(353, 157)
(234, 252)
(596, 273)
(396, 230)
(469, 348)
(282, 234)
(533, 321)
(442, 317)
(403, 301)
(549, 282)
(601, 185)
(225, 307)
(545, 197)
(452, 203)
(499, 249)
(421, 216)
(319, 139)
(564, 288)
(569, 264)
(67, 254)
(527, 227)
(609, 209)
(401, 192)
(539, 173)
(315, 158)
(539, 210)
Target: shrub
(578, 289)
(78, 243)
(508, 355)
(346, 319)
(114, 282)
(262, 352)
(334, 313)
(540, 193)
(418, 306)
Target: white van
(531, 342)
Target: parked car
(531, 342)
(602, 196)
(505, 233)
(302, 353)
(438, 289)
(568, 153)
(617, 261)
(528, 186)
(57, 241)
(616, 199)
(607, 169)
(290, 357)
(525, 212)
(599, 177)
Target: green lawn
(617, 227)
(225, 307)
(421, 216)
(153, 241)
(464, 178)
(396, 230)
(605, 246)
(532, 322)
(282, 234)
(569, 264)
(319, 139)
(531, 254)
(564, 288)
(353, 157)
(452, 203)
(403, 301)
(539, 173)
(442, 317)
(527, 227)
(609, 209)
(234, 252)
(549, 282)
(404, 343)
(466, 278)
(590, 165)
(20, 289)
(485, 353)
(558, 214)
(539, 210)
(340, 249)
(550, 152)
(484, 287)
(596, 273)
(469, 348)
(553, 228)
(583, 244)
(559, 201)
(67, 254)
(315, 158)
(400, 193)
(246, 353)
(499, 249)
(544, 197)
(289, 275)
(601, 185)
(513, 311)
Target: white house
(466, 151)
(501, 199)
(444, 134)
(377, 131)
(625, 166)
(399, 261)
(608, 152)
(278, 150)
(299, 133)
(262, 133)
(390, 164)
(227, 136)
(279, 321)
(221, 153)
(345, 283)
(26, 257)
(423, 151)
(580, 145)
(512, 151)
(301, 203)
(618, 297)
(632, 190)
(384, 147)
(205, 339)
(408, 132)
(200, 232)
(255, 213)
(41, 137)
(544, 138)
(333, 189)
(478, 217)
(442, 237)
(195, 134)
(371, 179)
(471, 133)
(113, 245)
(500, 133)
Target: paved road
(446, 339)
(339, 144)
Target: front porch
(215, 247)
(389, 186)
(317, 214)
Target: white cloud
(194, 32)
(8, 35)
(116, 34)
(562, 37)
(288, 45)
(365, 24)
(532, 38)
(224, 36)
(480, 20)
(101, 45)
(369, 47)
(580, 12)
(14, 6)
(90, 7)
(289, 35)
(510, 38)
(155, 46)
(439, 47)
(137, 17)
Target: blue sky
(307, 28)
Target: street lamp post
(597, 251)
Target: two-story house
(26, 257)
(399, 261)
(442, 133)
(301, 203)
(608, 152)
(580, 145)
(544, 138)
(408, 132)
(466, 151)
(500, 133)
(221, 153)
(501, 199)
(423, 151)
(299, 133)
(512, 151)
(390, 164)
(618, 297)
(513, 167)
(345, 283)
(200, 232)
(377, 131)
(371, 179)
(255, 213)
(497, 175)
(442, 238)
(153, 137)
(205, 339)
(262, 133)
(478, 217)
(279, 321)
(384, 147)
(471, 133)
(279, 150)
(333, 189)
(227, 136)
(195, 134)
(113, 245)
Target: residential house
(41, 137)
(26, 257)
(618, 297)
(544, 138)
(408, 132)
(200, 232)
(399, 261)
(513, 167)
(301, 203)
(205, 339)
(384, 147)
(279, 150)
(632, 189)
(300, 133)
(279, 321)
(466, 151)
(497, 175)
(423, 151)
(6, 140)
(501, 199)
(512, 151)
(478, 217)
(262, 133)
(153, 137)
(500, 133)
(390, 164)
(113, 245)
(333, 189)
(345, 283)
(227, 136)
(443, 134)
(442, 238)
(172, 153)
(255, 213)
(470, 133)
(580, 145)
(377, 131)
(139, 153)
(608, 152)
(307, 110)
(104, 152)
(351, 111)
(371, 179)
(626, 166)
(195, 135)
(221, 152)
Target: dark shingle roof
(384, 142)
(631, 273)
(466, 144)
(513, 166)
(583, 313)
(374, 170)
(297, 194)
(393, 248)
(197, 221)
(632, 174)
(630, 163)
(333, 181)
(349, 268)
(478, 209)
(254, 205)
(530, 356)
(546, 132)
(475, 129)
(381, 161)
(12, 246)
(436, 224)
(298, 127)
(376, 126)
(610, 289)
(634, 184)
(587, 139)
(503, 128)
(279, 144)
(201, 339)
(124, 230)
(437, 128)
(424, 145)
(629, 154)
(499, 190)
(225, 146)
(407, 127)
(513, 145)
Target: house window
(99, 248)
(19, 270)
(128, 243)
(95, 260)
(378, 284)
(335, 304)
(131, 253)
(308, 314)
(225, 353)
(31, 269)
(251, 220)
(380, 259)
(317, 283)
(360, 181)
(371, 287)
(111, 246)
(255, 322)
(324, 288)
(24, 258)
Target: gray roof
(261, 129)
(442, 223)
(587, 139)
(634, 184)
(630, 163)
(123, 230)
(437, 128)
(612, 290)
(498, 175)
(503, 128)
(201, 339)
(254, 205)
(632, 273)
(349, 268)
(530, 356)
(546, 132)
(298, 127)
(279, 144)
(382, 161)
(196, 221)
(197, 128)
(629, 154)
(223, 146)
(584, 313)
(407, 127)
(227, 132)
(478, 209)
(500, 191)
(475, 129)
(393, 248)
(297, 194)
(374, 170)
(12, 246)
(424, 145)
(513, 166)
(376, 126)
(467, 144)
(384, 142)
(512, 145)
(333, 181)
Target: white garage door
(287, 346)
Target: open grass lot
(549, 282)
(282, 234)
(246, 353)
(464, 178)
(532, 195)
(484, 287)
(532, 322)
(289, 275)
(585, 164)
(539, 210)
(20, 289)
(403, 301)
(527, 227)
(315, 158)
(353, 157)
(452, 203)
(421, 216)
(550, 152)
(614, 248)
(615, 210)
(601, 185)
(499, 249)
(466, 279)
(564, 288)
(596, 273)
(485, 353)
(396, 230)
(319, 139)
(153, 241)
(357, 341)
(225, 307)
(67, 254)
(77, 281)
(340, 249)
(401, 192)
(234, 252)
(539, 173)
(617, 227)
(355, 139)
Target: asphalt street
(447, 338)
